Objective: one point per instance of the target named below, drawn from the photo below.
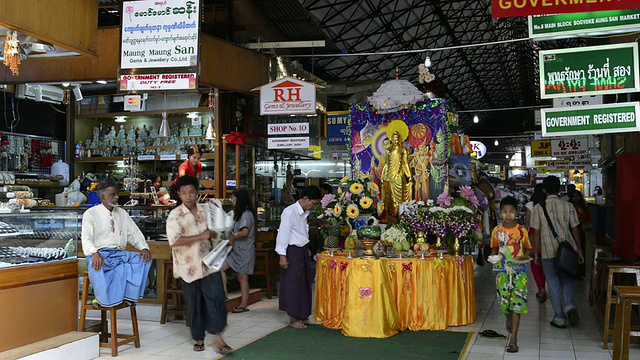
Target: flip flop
(198, 347)
(491, 334)
(512, 348)
(224, 349)
(239, 310)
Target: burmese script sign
(595, 70)
(160, 34)
(568, 147)
(512, 8)
(588, 23)
(178, 81)
(287, 96)
(598, 119)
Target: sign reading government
(512, 8)
(594, 70)
(287, 96)
(586, 120)
(140, 82)
(160, 34)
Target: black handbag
(566, 259)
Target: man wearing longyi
(116, 275)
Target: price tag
(231, 184)
(167, 157)
(184, 156)
(146, 157)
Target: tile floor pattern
(537, 339)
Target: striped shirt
(563, 217)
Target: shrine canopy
(427, 138)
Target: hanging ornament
(67, 95)
(12, 52)
(212, 102)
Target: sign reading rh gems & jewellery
(287, 96)
(511, 8)
(160, 34)
(594, 70)
(597, 119)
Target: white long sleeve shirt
(98, 232)
(294, 229)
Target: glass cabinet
(238, 168)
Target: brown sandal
(198, 347)
(512, 348)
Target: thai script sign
(287, 96)
(577, 101)
(569, 147)
(512, 8)
(479, 148)
(175, 81)
(287, 128)
(598, 119)
(607, 69)
(288, 143)
(588, 23)
(338, 128)
(160, 34)
(541, 148)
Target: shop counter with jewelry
(377, 298)
(39, 272)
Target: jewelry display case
(39, 271)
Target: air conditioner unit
(50, 94)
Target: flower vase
(368, 245)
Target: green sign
(594, 70)
(596, 119)
(587, 23)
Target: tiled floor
(537, 339)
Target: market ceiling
(499, 76)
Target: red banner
(512, 8)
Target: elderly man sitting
(116, 275)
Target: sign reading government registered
(587, 120)
(512, 8)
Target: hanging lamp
(164, 125)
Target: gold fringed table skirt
(377, 298)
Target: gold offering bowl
(368, 245)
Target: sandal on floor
(512, 348)
(198, 347)
(239, 310)
(491, 334)
(225, 349)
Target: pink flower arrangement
(327, 199)
(444, 199)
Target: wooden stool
(175, 293)
(612, 270)
(594, 289)
(626, 297)
(105, 336)
(266, 255)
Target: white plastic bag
(216, 257)
(218, 220)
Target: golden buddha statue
(397, 179)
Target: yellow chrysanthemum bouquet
(359, 197)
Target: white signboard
(569, 165)
(289, 143)
(132, 102)
(569, 147)
(146, 157)
(479, 148)
(160, 34)
(286, 129)
(142, 82)
(577, 101)
(168, 157)
(340, 155)
(288, 96)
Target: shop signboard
(479, 148)
(577, 101)
(540, 148)
(513, 8)
(570, 146)
(594, 70)
(587, 120)
(145, 82)
(287, 128)
(584, 23)
(160, 34)
(288, 143)
(287, 96)
(338, 128)
(569, 165)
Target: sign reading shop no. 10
(288, 128)
(594, 70)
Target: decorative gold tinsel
(12, 52)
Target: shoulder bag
(566, 259)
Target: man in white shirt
(292, 246)
(116, 275)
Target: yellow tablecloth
(377, 298)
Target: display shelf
(238, 167)
(144, 113)
(205, 156)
